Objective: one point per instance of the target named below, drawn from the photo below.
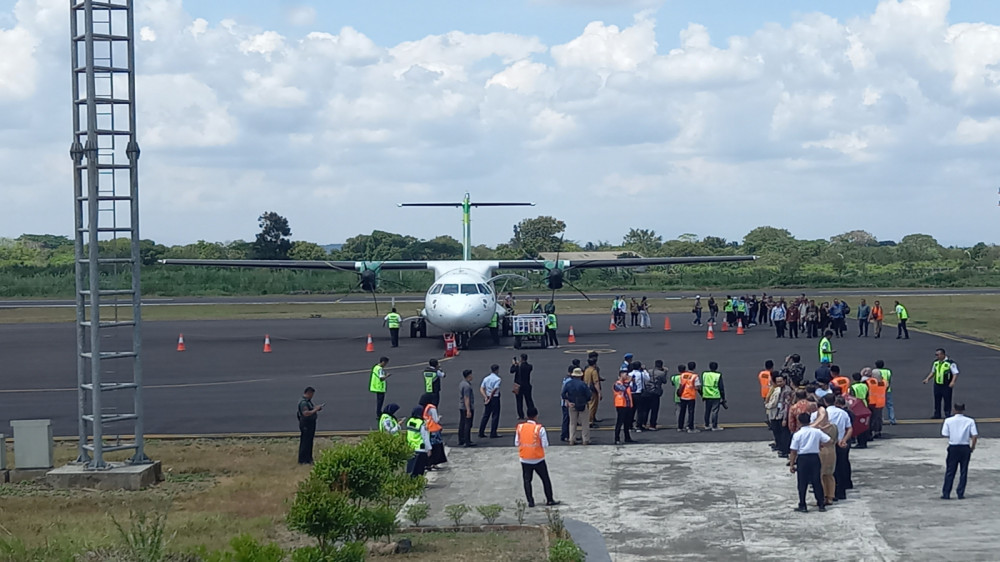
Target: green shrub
(520, 506)
(144, 539)
(349, 552)
(245, 548)
(564, 550)
(490, 512)
(456, 512)
(417, 512)
(556, 526)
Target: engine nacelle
(369, 280)
(555, 278)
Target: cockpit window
(449, 289)
(435, 289)
(482, 289)
(469, 289)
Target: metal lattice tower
(106, 204)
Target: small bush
(245, 548)
(457, 512)
(145, 538)
(563, 550)
(490, 512)
(556, 526)
(349, 552)
(417, 512)
(520, 507)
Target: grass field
(971, 316)
(214, 490)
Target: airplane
(463, 298)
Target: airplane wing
(356, 266)
(623, 262)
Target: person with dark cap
(490, 389)
(432, 380)
(804, 459)
(962, 436)
(388, 422)
(466, 404)
(626, 363)
(564, 428)
(419, 440)
(531, 442)
(307, 425)
(432, 420)
(392, 320)
(577, 395)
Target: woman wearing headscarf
(827, 453)
(433, 421)
(388, 423)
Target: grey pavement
(735, 501)
(224, 383)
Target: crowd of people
(803, 316)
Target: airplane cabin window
(449, 289)
(436, 289)
(482, 289)
(469, 289)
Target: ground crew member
(551, 324)
(623, 406)
(887, 377)
(876, 403)
(432, 380)
(877, 316)
(962, 436)
(536, 307)
(804, 459)
(713, 393)
(901, 331)
(376, 384)
(741, 311)
(690, 386)
(675, 381)
(826, 348)
(727, 307)
(531, 442)
(945, 373)
(432, 419)
(392, 320)
(841, 382)
(419, 440)
(388, 423)
(764, 378)
(495, 328)
(307, 425)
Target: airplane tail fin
(466, 205)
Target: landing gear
(418, 328)
(462, 340)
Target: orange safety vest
(432, 425)
(877, 312)
(623, 398)
(876, 393)
(843, 382)
(764, 378)
(529, 437)
(688, 392)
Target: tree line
(42, 265)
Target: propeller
(556, 277)
(368, 281)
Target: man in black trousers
(804, 459)
(307, 425)
(522, 381)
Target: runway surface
(522, 297)
(223, 383)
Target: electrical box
(32, 443)
(3, 452)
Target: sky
(681, 116)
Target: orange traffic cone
(267, 343)
(666, 323)
(371, 346)
(612, 327)
(710, 335)
(725, 326)
(572, 336)
(739, 328)
(180, 343)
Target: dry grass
(214, 490)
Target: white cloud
(331, 126)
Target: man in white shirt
(804, 458)
(962, 437)
(531, 441)
(490, 389)
(840, 418)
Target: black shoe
(631, 441)
(564, 439)
(822, 508)
(865, 446)
(494, 437)
(531, 504)
(553, 502)
(961, 497)
(618, 442)
(469, 445)
(945, 497)
(482, 436)
(802, 509)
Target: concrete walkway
(735, 501)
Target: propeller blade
(375, 300)
(575, 288)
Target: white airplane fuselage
(462, 298)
